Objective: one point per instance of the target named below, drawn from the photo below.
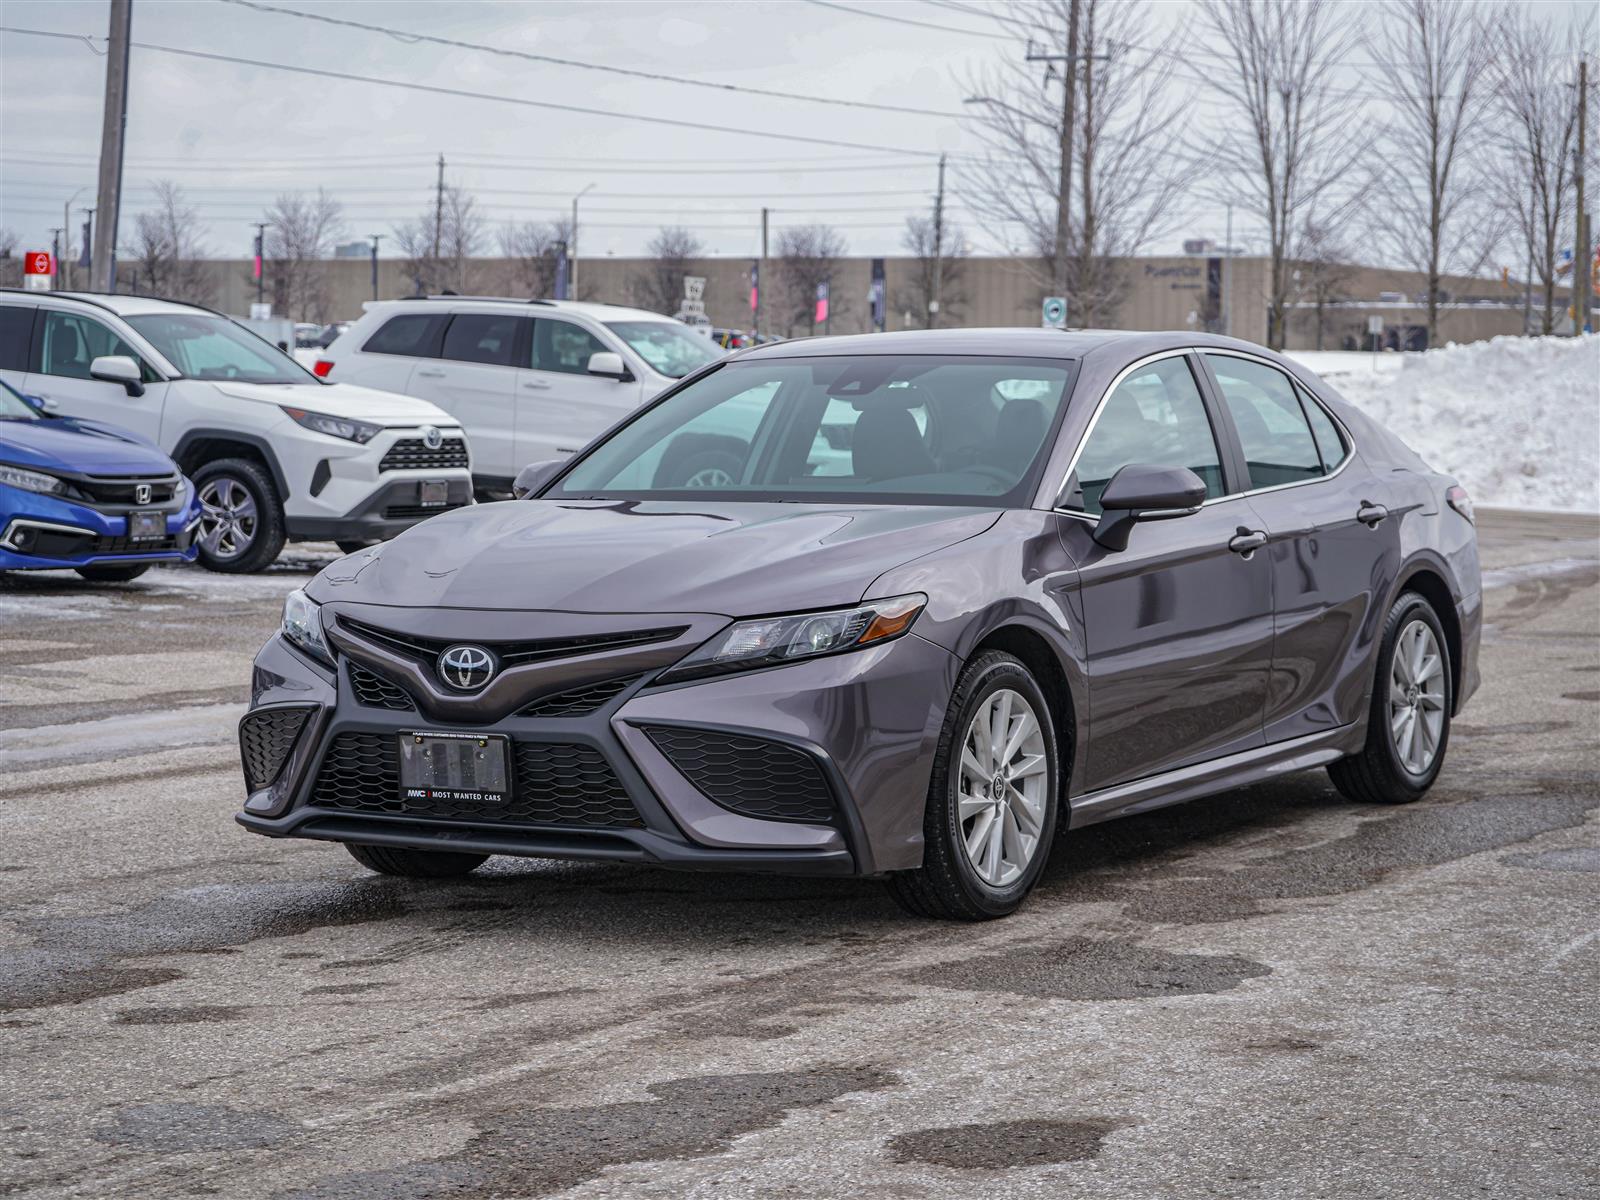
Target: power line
(431, 89)
(197, 194)
(414, 38)
(863, 12)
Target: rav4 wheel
(113, 574)
(991, 812)
(1408, 726)
(241, 522)
(415, 864)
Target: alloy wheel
(1416, 697)
(1002, 788)
(228, 519)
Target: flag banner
(822, 302)
(755, 285)
(877, 296)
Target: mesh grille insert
(413, 454)
(578, 701)
(748, 775)
(265, 740)
(374, 691)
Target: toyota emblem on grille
(141, 493)
(431, 437)
(466, 667)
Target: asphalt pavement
(1268, 993)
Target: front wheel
(415, 864)
(992, 801)
(1408, 726)
(112, 574)
(241, 519)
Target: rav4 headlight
(339, 427)
(302, 625)
(31, 481)
(769, 641)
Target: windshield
(208, 347)
(873, 429)
(13, 407)
(672, 349)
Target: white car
(529, 380)
(275, 453)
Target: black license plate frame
(433, 493)
(147, 526)
(459, 768)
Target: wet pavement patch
(534, 1152)
(1093, 969)
(1574, 858)
(173, 1128)
(344, 989)
(193, 1014)
(1002, 1144)
(33, 979)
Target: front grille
(416, 512)
(374, 691)
(748, 775)
(49, 544)
(265, 740)
(578, 701)
(427, 650)
(412, 454)
(111, 489)
(555, 784)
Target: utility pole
(88, 244)
(938, 250)
(1068, 121)
(55, 252)
(438, 212)
(1581, 247)
(376, 238)
(261, 261)
(103, 270)
(572, 244)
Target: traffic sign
(1054, 312)
(37, 268)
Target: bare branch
(659, 287)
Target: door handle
(1247, 541)
(1370, 514)
(424, 373)
(537, 385)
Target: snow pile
(1517, 420)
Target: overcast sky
(235, 135)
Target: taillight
(323, 366)
(1458, 499)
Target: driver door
(560, 406)
(64, 345)
(1177, 627)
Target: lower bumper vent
(757, 778)
(265, 740)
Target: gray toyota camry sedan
(908, 605)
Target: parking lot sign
(1054, 312)
(37, 268)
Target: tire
(352, 547)
(241, 529)
(1381, 772)
(706, 460)
(415, 864)
(112, 574)
(949, 885)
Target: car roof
(122, 305)
(587, 308)
(999, 342)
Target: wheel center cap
(1412, 693)
(997, 786)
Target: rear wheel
(415, 864)
(991, 813)
(241, 520)
(1408, 727)
(112, 574)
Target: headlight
(769, 641)
(302, 625)
(31, 481)
(339, 427)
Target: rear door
(1327, 536)
(560, 406)
(474, 379)
(64, 345)
(1177, 627)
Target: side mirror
(535, 475)
(118, 368)
(608, 363)
(1141, 492)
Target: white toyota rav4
(529, 380)
(275, 453)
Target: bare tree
(808, 255)
(167, 254)
(1537, 129)
(301, 232)
(1324, 269)
(659, 286)
(1433, 59)
(10, 264)
(1126, 145)
(1294, 137)
(945, 253)
(440, 245)
(531, 249)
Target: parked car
(733, 339)
(88, 497)
(1067, 578)
(275, 453)
(528, 380)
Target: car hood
(89, 447)
(608, 556)
(339, 400)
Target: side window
(1278, 446)
(71, 341)
(16, 323)
(415, 335)
(482, 338)
(1155, 416)
(563, 346)
(1329, 444)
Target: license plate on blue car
(143, 526)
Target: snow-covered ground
(1517, 420)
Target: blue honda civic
(89, 497)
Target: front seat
(66, 353)
(1018, 433)
(888, 445)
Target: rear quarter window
(415, 335)
(1330, 444)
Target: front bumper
(40, 532)
(863, 721)
(391, 509)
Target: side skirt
(1218, 775)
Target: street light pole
(376, 238)
(66, 240)
(572, 243)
